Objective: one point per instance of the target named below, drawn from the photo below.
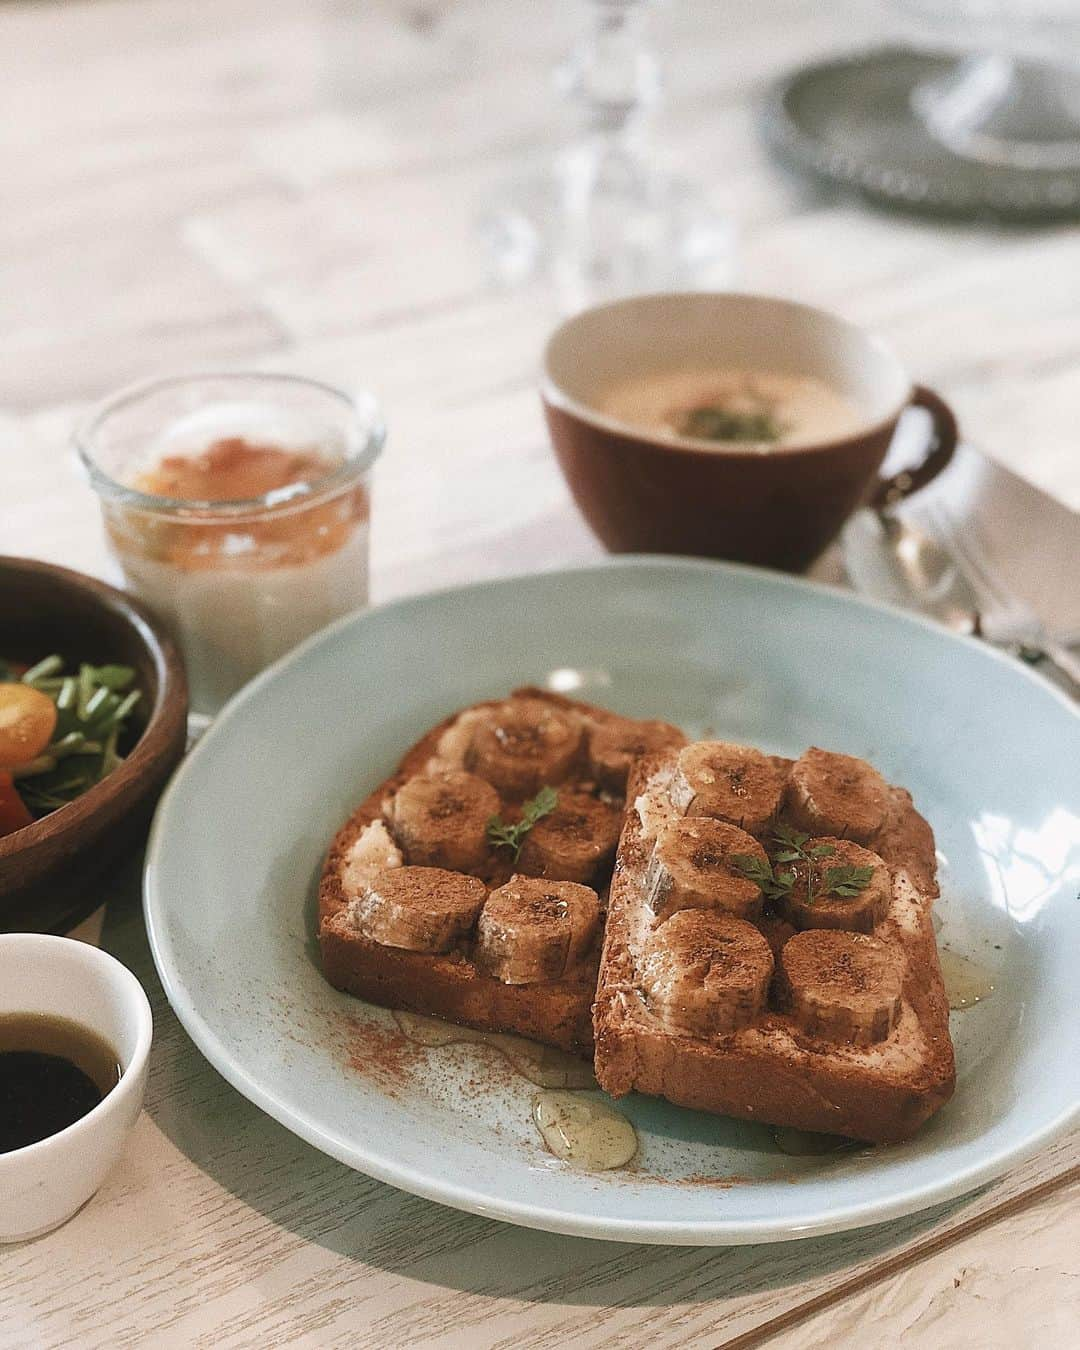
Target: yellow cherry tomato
(27, 722)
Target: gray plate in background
(850, 120)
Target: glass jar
(238, 508)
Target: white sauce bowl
(44, 1184)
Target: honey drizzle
(966, 981)
(590, 1135)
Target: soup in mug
(727, 407)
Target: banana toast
(769, 952)
(472, 884)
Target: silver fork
(1003, 618)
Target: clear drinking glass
(602, 218)
(238, 508)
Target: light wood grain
(294, 186)
(221, 1227)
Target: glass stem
(613, 75)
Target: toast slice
(785, 972)
(419, 911)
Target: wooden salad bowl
(48, 869)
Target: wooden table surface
(293, 186)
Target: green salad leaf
(93, 708)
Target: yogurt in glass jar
(238, 508)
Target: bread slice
(451, 984)
(775, 1052)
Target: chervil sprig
(793, 849)
(501, 835)
(846, 881)
(772, 884)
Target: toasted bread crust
(772, 1072)
(557, 1013)
(450, 985)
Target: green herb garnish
(847, 881)
(501, 835)
(793, 849)
(92, 708)
(793, 846)
(722, 424)
(773, 885)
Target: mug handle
(942, 443)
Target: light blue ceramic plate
(990, 752)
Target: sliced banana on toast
(523, 744)
(842, 986)
(705, 973)
(729, 782)
(848, 887)
(693, 866)
(420, 909)
(372, 852)
(833, 794)
(574, 841)
(440, 819)
(533, 930)
(615, 745)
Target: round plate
(851, 120)
(991, 754)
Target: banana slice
(729, 782)
(532, 930)
(615, 745)
(372, 852)
(830, 793)
(522, 745)
(422, 909)
(691, 868)
(440, 819)
(842, 986)
(860, 913)
(574, 842)
(706, 973)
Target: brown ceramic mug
(643, 490)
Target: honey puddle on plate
(589, 1135)
(966, 981)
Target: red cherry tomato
(27, 722)
(13, 812)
